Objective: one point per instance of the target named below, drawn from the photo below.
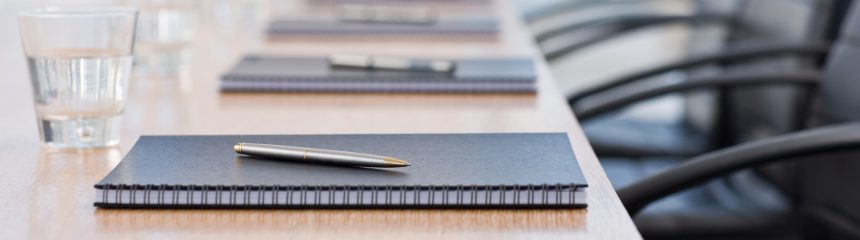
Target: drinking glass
(80, 60)
(165, 32)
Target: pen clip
(385, 14)
(390, 63)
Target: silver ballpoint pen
(313, 155)
(391, 63)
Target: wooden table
(47, 194)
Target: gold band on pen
(396, 161)
(238, 147)
(305, 156)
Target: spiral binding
(335, 195)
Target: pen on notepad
(313, 155)
(390, 63)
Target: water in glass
(79, 95)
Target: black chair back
(830, 192)
(747, 114)
(753, 113)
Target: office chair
(823, 203)
(757, 43)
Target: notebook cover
(478, 25)
(256, 72)
(416, 2)
(504, 159)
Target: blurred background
(167, 33)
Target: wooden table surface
(49, 194)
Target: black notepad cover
(384, 2)
(536, 160)
(315, 74)
(483, 26)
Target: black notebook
(476, 26)
(395, 2)
(517, 170)
(315, 74)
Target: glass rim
(78, 11)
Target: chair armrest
(617, 26)
(745, 53)
(719, 163)
(802, 78)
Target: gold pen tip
(238, 147)
(398, 162)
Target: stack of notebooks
(312, 74)
(517, 170)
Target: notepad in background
(466, 26)
(511, 170)
(308, 74)
(402, 2)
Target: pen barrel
(312, 155)
(392, 63)
(346, 158)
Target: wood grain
(49, 194)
